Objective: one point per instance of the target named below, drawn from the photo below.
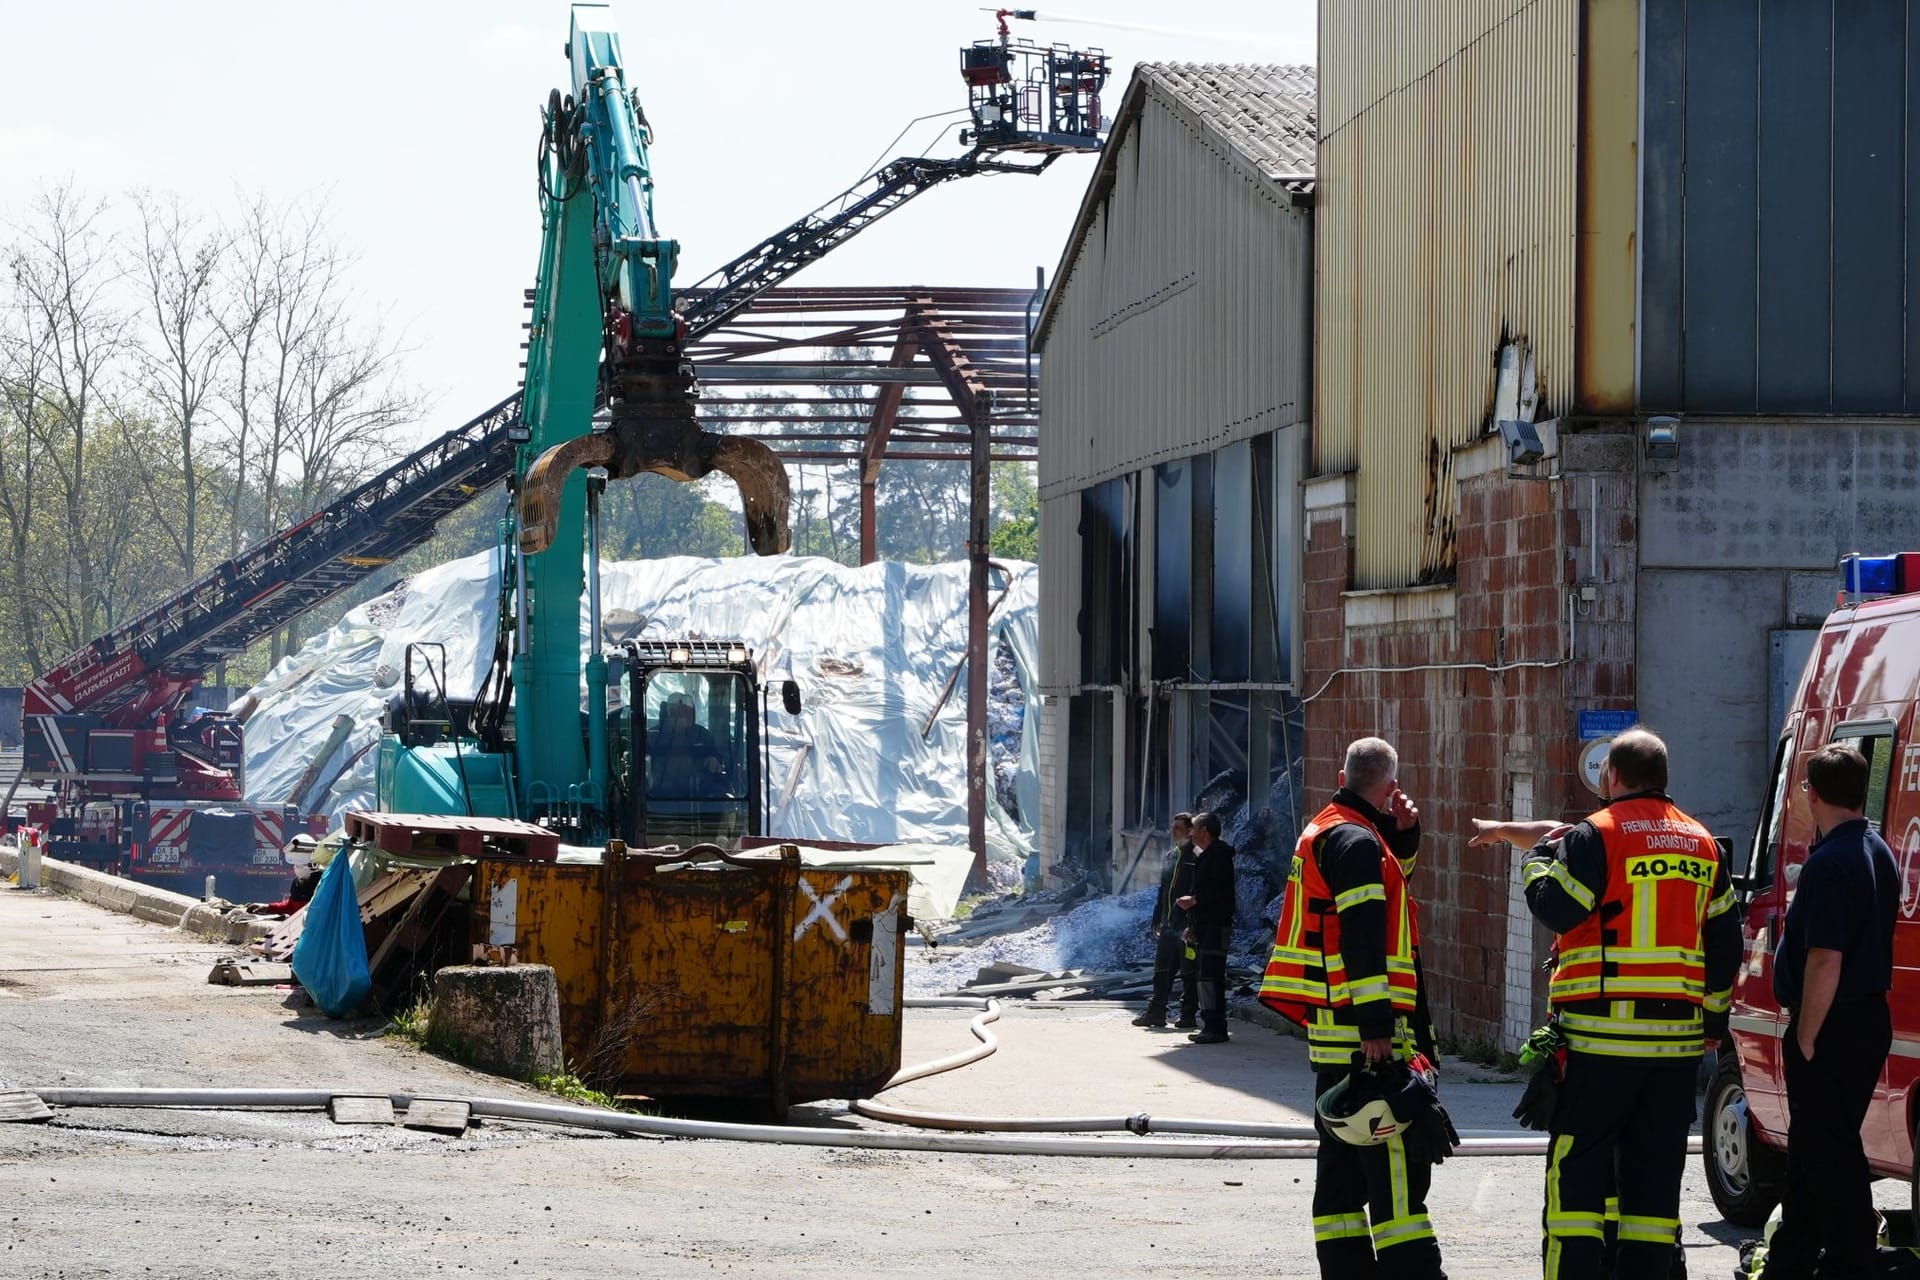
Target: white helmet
(1356, 1111)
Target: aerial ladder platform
(109, 731)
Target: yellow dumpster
(744, 976)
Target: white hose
(1140, 1123)
(1260, 1141)
(622, 1122)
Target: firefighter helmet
(1356, 1110)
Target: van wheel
(1743, 1174)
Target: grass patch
(572, 1088)
(410, 1024)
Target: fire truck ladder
(723, 292)
(249, 597)
(267, 586)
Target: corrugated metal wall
(1780, 223)
(1182, 324)
(1060, 557)
(1445, 226)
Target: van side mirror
(790, 696)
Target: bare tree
(312, 396)
(64, 277)
(25, 358)
(178, 353)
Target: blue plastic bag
(330, 959)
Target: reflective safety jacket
(1643, 938)
(1648, 944)
(1306, 969)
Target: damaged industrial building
(1605, 374)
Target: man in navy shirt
(1833, 968)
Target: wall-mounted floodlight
(1663, 439)
(1522, 441)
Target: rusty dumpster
(747, 976)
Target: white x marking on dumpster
(822, 908)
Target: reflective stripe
(1570, 885)
(1340, 1226)
(1649, 1230)
(1624, 956)
(1720, 905)
(1369, 989)
(1397, 1179)
(1354, 897)
(1332, 1044)
(1718, 1001)
(1395, 1231)
(1623, 1025)
(1621, 1035)
(1531, 871)
(1582, 1225)
(1636, 1048)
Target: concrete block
(351, 1109)
(505, 1020)
(208, 919)
(23, 1106)
(438, 1115)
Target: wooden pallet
(437, 835)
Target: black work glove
(1542, 1096)
(1427, 1130)
(1430, 1136)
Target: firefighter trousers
(1621, 1122)
(1370, 1208)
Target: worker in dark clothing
(1172, 954)
(1344, 966)
(686, 760)
(1833, 968)
(1209, 911)
(1647, 950)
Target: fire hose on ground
(989, 1135)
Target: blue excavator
(610, 393)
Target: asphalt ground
(92, 998)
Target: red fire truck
(1859, 687)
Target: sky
(416, 121)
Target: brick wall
(1466, 736)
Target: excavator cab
(687, 741)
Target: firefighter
(1648, 945)
(1343, 966)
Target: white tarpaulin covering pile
(871, 648)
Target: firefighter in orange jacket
(1648, 947)
(1343, 966)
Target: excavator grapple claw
(673, 447)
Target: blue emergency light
(1881, 575)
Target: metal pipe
(1260, 1141)
(520, 594)
(599, 772)
(626, 1123)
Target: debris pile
(1097, 947)
(876, 755)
